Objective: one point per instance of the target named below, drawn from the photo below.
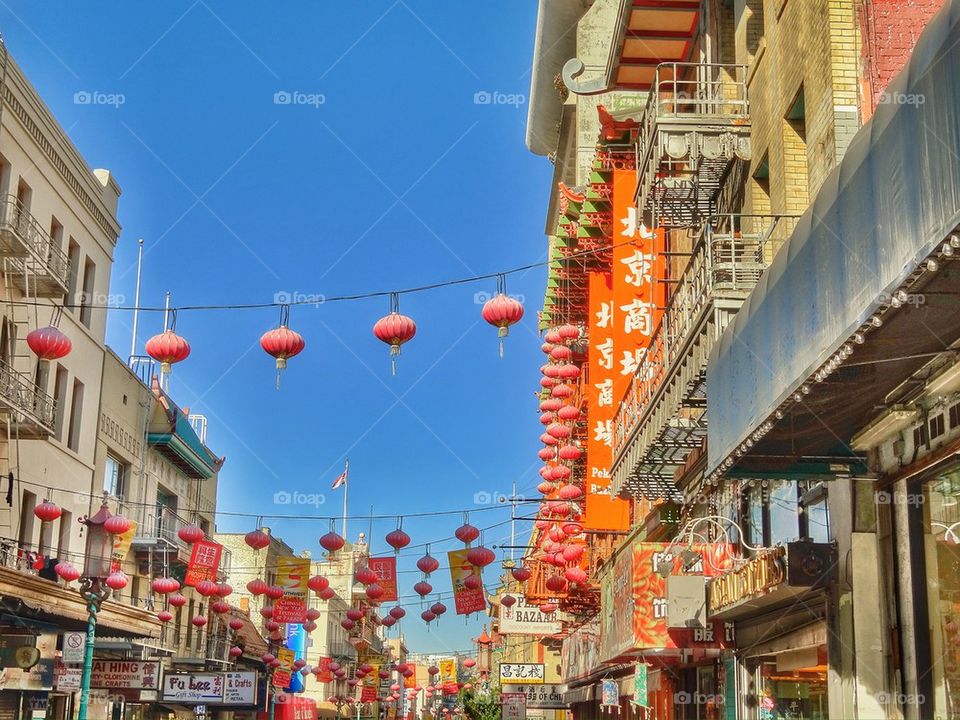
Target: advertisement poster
(448, 676)
(650, 628)
(292, 576)
(324, 674)
(282, 675)
(297, 641)
(385, 569)
(465, 600)
(204, 562)
(524, 619)
(411, 682)
(616, 591)
(601, 511)
(121, 546)
(371, 684)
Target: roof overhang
(862, 247)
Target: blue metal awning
(887, 206)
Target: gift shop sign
(237, 688)
(524, 619)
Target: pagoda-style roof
(173, 436)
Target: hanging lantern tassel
(394, 330)
(502, 311)
(282, 342)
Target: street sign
(526, 673)
(539, 695)
(513, 706)
(73, 646)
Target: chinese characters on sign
(528, 673)
(204, 562)
(601, 511)
(539, 696)
(385, 569)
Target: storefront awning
(890, 203)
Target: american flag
(341, 479)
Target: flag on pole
(341, 478)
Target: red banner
(385, 569)
(650, 628)
(204, 562)
(601, 512)
(324, 673)
(466, 600)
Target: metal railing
(690, 91)
(22, 396)
(163, 524)
(16, 219)
(729, 255)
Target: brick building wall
(803, 89)
(890, 29)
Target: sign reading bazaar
(634, 597)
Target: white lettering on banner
(640, 267)
(604, 392)
(631, 362)
(604, 315)
(631, 226)
(603, 432)
(639, 317)
(606, 354)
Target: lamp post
(98, 556)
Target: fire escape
(694, 143)
(35, 266)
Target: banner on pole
(465, 600)
(292, 575)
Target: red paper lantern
(546, 418)
(272, 625)
(191, 534)
(570, 492)
(427, 564)
(236, 651)
(553, 337)
(562, 390)
(428, 616)
(257, 539)
(561, 352)
(364, 575)
(569, 452)
(47, 511)
(568, 371)
(257, 587)
(469, 663)
(438, 608)
(472, 582)
(164, 616)
(220, 607)
(551, 371)
(548, 439)
(573, 552)
(48, 343)
(318, 583)
(282, 343)
(313, 614)
(331, 542)
(558, 430)
(433, 670)
(116, 580)
(206, 587)
(274, 592)
(423, 588)
(167, 348)
(267, 658)
(178, 600)
(568, 413)
(546, 453)
(568, 333)
(309, 626)
(467, 533)
(397, 539)
(575, 575)
(388, 621)
(559, 472)
(521, 573)
(548, 382)
(375, 591)
(224, 590)
(480, 556)
(551, 404)
(397, 612)
(394, 330)
(67, 571)
(546, 487)
(548, 608)
(326, 594)
(117, 525)
(235, 624)
(502, 311)
(164, 585)
(572, 528)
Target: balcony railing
(695, 122)
(44, 265)
(34, 411)
(728, 257)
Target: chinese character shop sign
(204, 562)
(517, 673)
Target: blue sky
(382, 172)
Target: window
(86, 300)
(954, 416)
(60, 398)
(73, 255)
(814, 515)
(115, 477)
(782, 508)
(795, 169)
(27, 504)
(937, 426)
(919, 436)
(76, 414)
(8, 341)
(24, 195)
(63, 543)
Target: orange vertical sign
(638, 294)
(601, 511)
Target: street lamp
(98, 558)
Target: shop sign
(616, 600)
(524, 619)
(204, 562)
(651, 628)
(465, 600)
(609, 693)
(526, 673)
(125, 674)
(758, 576)
(513, 706)
(581, 650)
(539, 695)
(193, 687)
(67, 679)
(73, 647)
(240, 688)
(292, 575)
(385, 568)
